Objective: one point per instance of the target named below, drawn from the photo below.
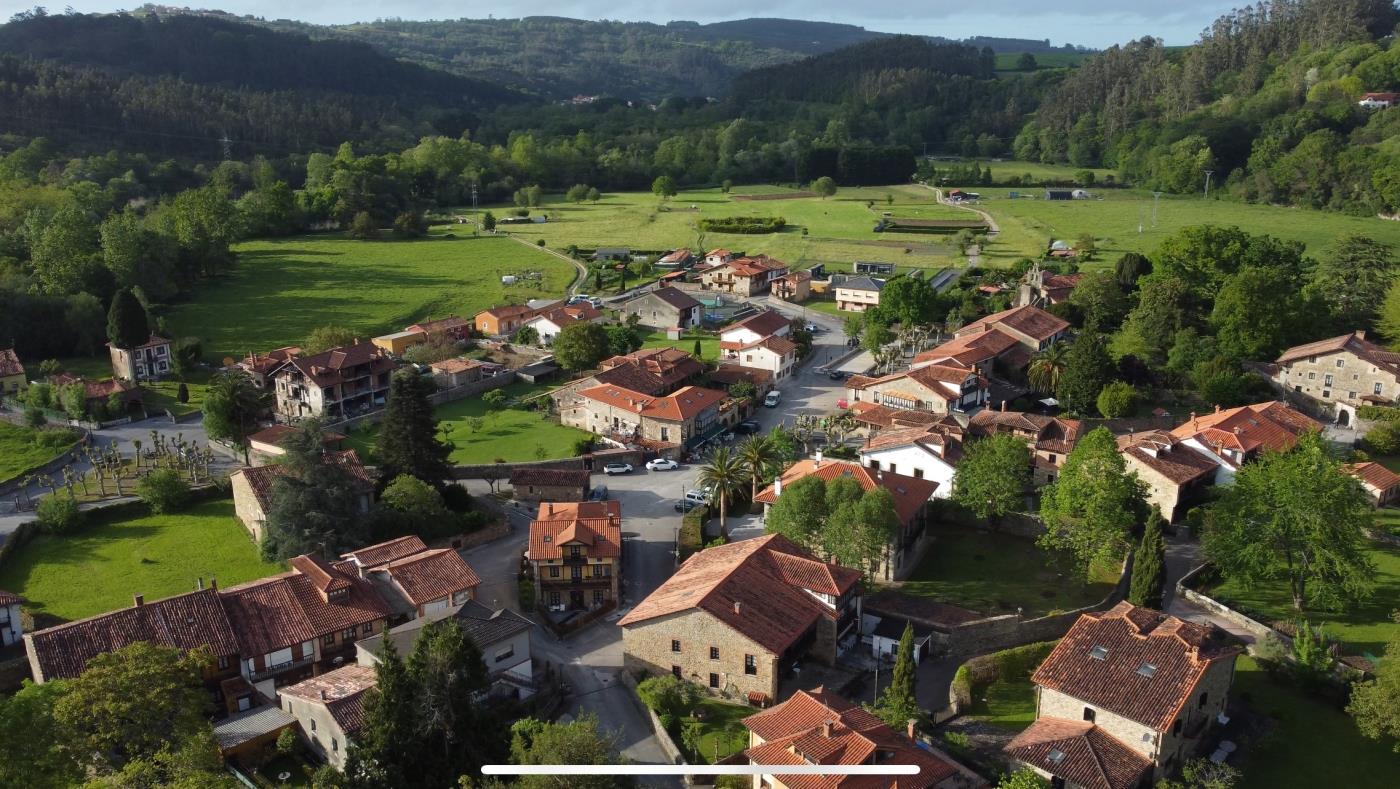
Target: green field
(1006, 169)
(23, 449)
(1005, 703)
(839, 229)
(282, 289)
(1309, 743)
(101, 566)
(1364, 629)
(1006, 61)
(998, 573)
(723, 735)
(509, 434)
(162, 396)
(709, 343)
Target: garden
(23, 449)
(996, 689)
(1000, 573)
(709, 343)
(707, 729)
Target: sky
(1093, 23)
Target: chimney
(737, 607)
(819, 459)
(909, 728)
(1360, 334)
(778, 486)
(199, 584)
(139, 600)
(1217, 408)
(213, 583)
(826, 728)
(1003, 405)
(321, 693)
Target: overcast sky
(1096, 23)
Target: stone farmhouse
(1050, 439)
(532, 483)
(1176, 475)
(735, 618)
(819, 727)
(665, 308)
(1341, 374)
(1125, 698)
(335, 384)
(911, 504)
(747, 276)
(1042, 288)
(576, 554)
(330, 709)
(671, 421)
(252, 487)
(1008, 338)
(795, 286)
(942, 388)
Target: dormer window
(1055, 756)
(548, 538)
(1147, 670)
(1099, 652)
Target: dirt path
(992, 227)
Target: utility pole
(473, 198)
(1155, 197)
(1209, 173)
(228, 146)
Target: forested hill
(864, 70)
(209, 51)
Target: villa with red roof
(575, 554)
(669, 422)
(1125, 698)
(943, 388)
(747, 276)
(336, 384)
(735, 618)
(769, 323)
(1234, 436)
(927, 452)
(1341, 374)
(1011, 336)
(1379, 482)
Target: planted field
(99, 567)
(282, 289)
(23, 449)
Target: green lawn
(93, 368)
(1365, 628)
(1008, 169)
(1006, 61)
(996, 574)
(509, 434)
(1388, 519)
(282, 289)
(101, 566)
(724, 734)
(163, 396)
(25, 448)
(1006, 704)
(709, 343)
(1311, 744)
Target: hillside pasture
(282, 289)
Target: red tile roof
(385, 552)
(755, 266)
(910, 494)
(1272, 425)
(1081, 753)
(820, 727)
(331, 367)
(450, 366)
(276, 434)
(440, 325)
(432, 575)
(187, 621)
(942, 379)
(652, 370)
(260, 479)
(550, 477)
(970, 348)
(763, 324)
(936, 439)
(1167, 455)
(686, 403)
(779, 345)
(1051, 434)
(9, 363)
(1354, 343)
(1030, 321)
(754, 586)
(341, 690)
(507, 311)
(1133, 637)
(596, 525)
(266, 617)
(1373, 474)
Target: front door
(575, 600)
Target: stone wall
(647, 645)
(474, 388)
(593, 462)
(668, 746)
(1252, 626)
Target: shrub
(456, 498)
(1384, 438)
(59, 514)
(743, 224)
(286, 741)
(668, 696)
(692, 532)
(183, 395)
(962, 687)
(34, 417)
(1378, 413)
(164, 491)
(1117, 400)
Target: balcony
(583, 581)
(279, 668)
(580, 559)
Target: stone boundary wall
(1252, 626)
(502, 471)
(668, 746)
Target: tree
(164, 491)
(59, 514)
(800, 511)
(580, 741)
(327, 337)
(898, 704)
(1087, 368)
(1375, 703)
(314, 507)
(1101, 301)
(1024, 778)
(409, 224)
(759, 457)
(363, 227)
(1047, 366)
(1026, 62)
(824, 186)
(580, 346)
(993, 476)
(668, 696)
(724, 475)
(875, 336)
(127, 325)
(232, 405)
(494, 400)
(488, 222)
(1202, 773)
(35, 755)
(1352, 282)
(1149, 564)
(182, 395)
(418, 502)
(1384, 438)
(1129, 268)
(388, 742)
(1295, 515)
(1257, 313)
(408, 438)
(1166, 305)
(909, 301)
(1203, 256)
(861, 526)
(577, 193)
(664, 187)
(623, 339)
(698, 351)
(594, 195)
(1094, 505)
(131, 703)
(1117, 399)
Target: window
(335, 746)
(1202, 701)
(1376, 389)
(676, 672)
(750, 665)
(1326, 392)
(554, 598)
(714, 680)
(597, 597)
(328, 640)
(892, 469)
(1089, 714)
(1327, 380)
(714, 653)
(348, 634)
(1099, 652)
(1312, 376)
(1147, 670)
(553, 571)
(918, 473)
(505, 654)
(313, 724)
(223, 662)
(368, 628)
(576, 573)
(675, 645)
(575, 551)
(1341, 363)
(875, 465)
(458, 598)
(1351, 395)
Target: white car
(662, 464)
(813, 328)
(617, 468)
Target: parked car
(662, 464)
(852, 342)
(698, 496)
(580, 297)
(747, 427)
(617, 468)
(813, 328)
(599, 493)
(838, 375)
(774, 397)
(686, 505)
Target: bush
(164, 491)
(1117, 400)
(1384, 438)
(59, 514)
(691, 536)
(456, 498)
(1378, 413)
(34, 417)
(962, 687)
(525, 587)
(744, 224)
(668, 696)
(286, 741)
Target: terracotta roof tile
(1030, 321)
(970, 348)
(432, 575)
(1167, 455)
(1081, 753)
(331, 367)
(1371, 473)
(10, 598)
(1354, 343)
(342, 691)
(266, 616)
(910, 494)
(596, 524)
(1272, 425)
(440, 325)
(550, 477)
(9, 363)
(763, 324)
(385, 552)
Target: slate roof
(431, 575)
(1031, 321)
(344, 692)
(9, 363)
(910, 494)
(1354, 343)
(550, 477)
(1133, 637)
(1164, 453)
(596, 525)
(1081, 753)
(241, 727)
(796, 732)
(862, 283)
(672, 296)
(754, 586)
(1272, 425)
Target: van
(774, 397)
(698, 496)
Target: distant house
(669, 422)
(769, 323)
(11, 627)
(858, 294)
(748, 276)
(612, 253)
(664, 308)
(944, 388)
(457, 372)
(678, 259)
(925, 452)
(1050, 439)
(330, 709)
(1343, 373)
(12, 380)
(1378, 101)
(130, 395)
(872, 267)
(503, 637)
(1379, 482)
(335, 384)
(795, 286)
(549, 484)
(267, 444)
(149, 361)
(650, 371)
(399, 341)
(775, 355)
(252, 489)
(260, 366)
(549, 323)
(502, 321)
(1235, 436)
(576, 554)
(1043, 288)
(1059, 194)
(1009, 338)
(452, 326)
(718, 257)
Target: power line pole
(1155, 197)
(1209, 173)
(228, 146)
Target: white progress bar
(700, 769)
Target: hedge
(1008, 664)
(1378, 413)
(692, 534)
(744, 224)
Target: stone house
(735, 618)
(260, 367)
(549, 484)
(268, 444)
(1049, 438)
(1125, 698)
(252, 488)
(747, 276)
(937, 388)
(925, 452)
(819, 727)
(911, 503)
(330, 709)
(449, 373)
(664, 308)
(1342, 374)
(627, 417)
(1042, 288)
(502, 636)
(12, 380)
(336, 384)
(425, 583)
(1379, 482)
(774, 355)
(502, 321)
(1176, 475)
(1008, 338)
(718, 257)
(650, 371)
(11, 627)
(858, 294)
(576, 554)
(149, 361)
(795, 286)
(1232, 437)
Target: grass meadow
(25, 448)
(282, 289)
(100, 566)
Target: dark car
(747, 428)
(686, 505)
(838, 375)
(599, 493)
(853, 342)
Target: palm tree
(758, 455)
(724, 474)
(1046, 367)
(232, 406)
